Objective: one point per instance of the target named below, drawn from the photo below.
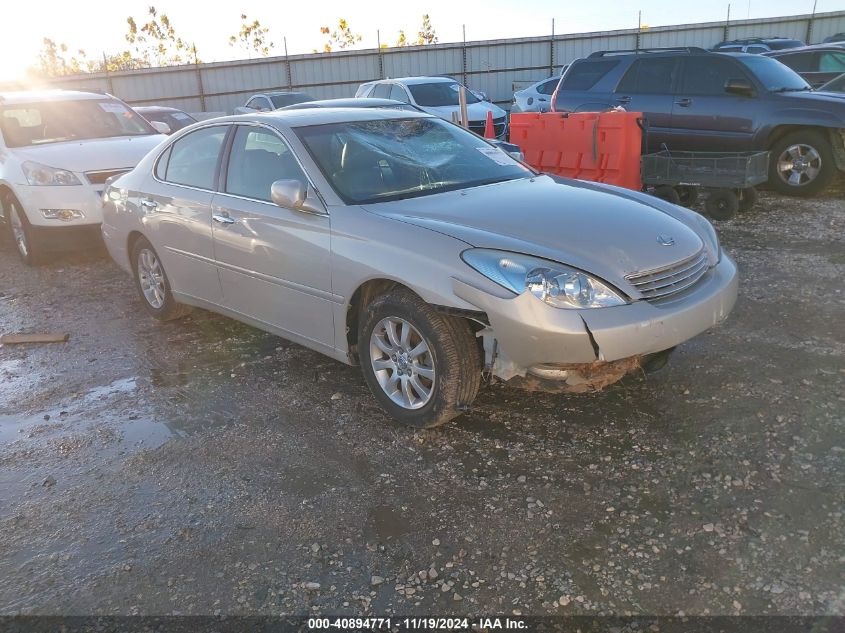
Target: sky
(99, 26)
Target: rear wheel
(423, 367)
(801, 163)
(152, 283)
(21, 233)
(721, 204)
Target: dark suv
(757, 45)
(697, 100)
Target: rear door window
(382, 91)
(801, 62)
(707, 75)
(398, 93)
(654, 75)
(585, 75)
(832, 63)
(194, 157)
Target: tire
(157, 298)
(20, 232)
(667, 193)
(721, 204)
(747, 198)
(687, 196)
(449, 370)
(815, 171)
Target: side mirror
(293, 194)
(481, 96)
(740, 87)
(160, 127)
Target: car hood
(817, 97)
(93, 154)
(607, 231)
(475, 111)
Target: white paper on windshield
(114, 108)
(495, 154)
(180, 116)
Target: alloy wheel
(799, 164)
(402, 362)
(18, 231)
(151, 278)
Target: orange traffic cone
(489, 132)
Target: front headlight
(555, 284)
(42, 175)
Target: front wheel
(801, 163)
(423, 367)
(21, 233)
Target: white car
(536, 97)
(57, 149)
(438, 96)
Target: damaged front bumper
(590, 349)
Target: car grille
(664, 283)
(498, 126)
(99, 177)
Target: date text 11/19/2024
(417, 624)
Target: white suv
(439, 96)
(57, 149)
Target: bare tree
(252, 37)
(155, 42)
(426, 34)
(342, 37)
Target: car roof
(34, 96)
(155, 108)
(410, 81)
(352, 102)
(321, 116)
(276, 93)
(830, 46)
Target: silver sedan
(404, 244)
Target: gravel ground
(202, 466)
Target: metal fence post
(199, 80)
(726, 31)
(808, 39)
(464, 54)
(552, 50)
(287, 66)
(380, 58)
(639, 28)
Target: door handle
(222, 218)
(684, 103)
(148, 204)
(541, 99)
(624, 99)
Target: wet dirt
(202, 466)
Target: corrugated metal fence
(494, 66)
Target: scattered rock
(376, 580)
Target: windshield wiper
(792, 89)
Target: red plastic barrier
(598, 146)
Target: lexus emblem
(665, 240)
